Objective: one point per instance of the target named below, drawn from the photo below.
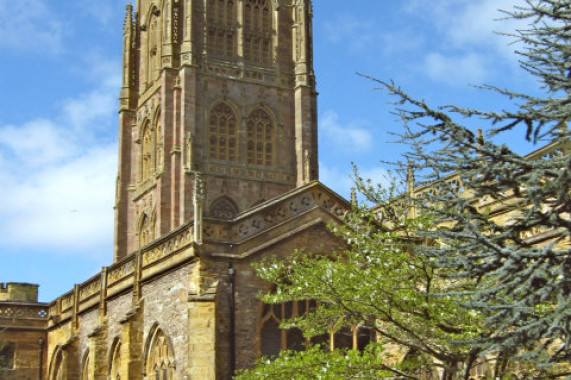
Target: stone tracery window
(260, 135)
(258, 31)
(223, 208)
(273, 339)
(223, 133)
(159, 363)
(151, 156)
(221, 41)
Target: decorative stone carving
(223, 208)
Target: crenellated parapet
(23, 331)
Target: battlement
(18, 292)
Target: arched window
(260, 135)
(221, 41)
(115, 361)
(159, 364)
(223, 208)
(258, 32)
(223, 133)
(56, 366)
(273, 339)
(147, 152)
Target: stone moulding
(157, 257)
(288, 215)
(14, 311)
(306, 206)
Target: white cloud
(478, 24)
(467, 47)
(89, 108)
(35, 144)
(349, 138)
(67, 207)
(58, 177)
(28, 25)
(456, 70)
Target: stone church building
(218, 169)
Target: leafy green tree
(380, 284)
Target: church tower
(216, 92)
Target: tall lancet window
(221, 16)
(260, 135)
(223, 133)
(258, 32)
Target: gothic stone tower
(218, 89)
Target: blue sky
(59, 79)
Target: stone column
(132, 366)
(71, 359)
(202, 326)
(98, 353)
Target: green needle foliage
(507, 232)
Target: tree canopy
(470, 264)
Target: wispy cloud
(349, 137)
(28, 25)
(466, 47)
(57, 177)
(476, 23)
